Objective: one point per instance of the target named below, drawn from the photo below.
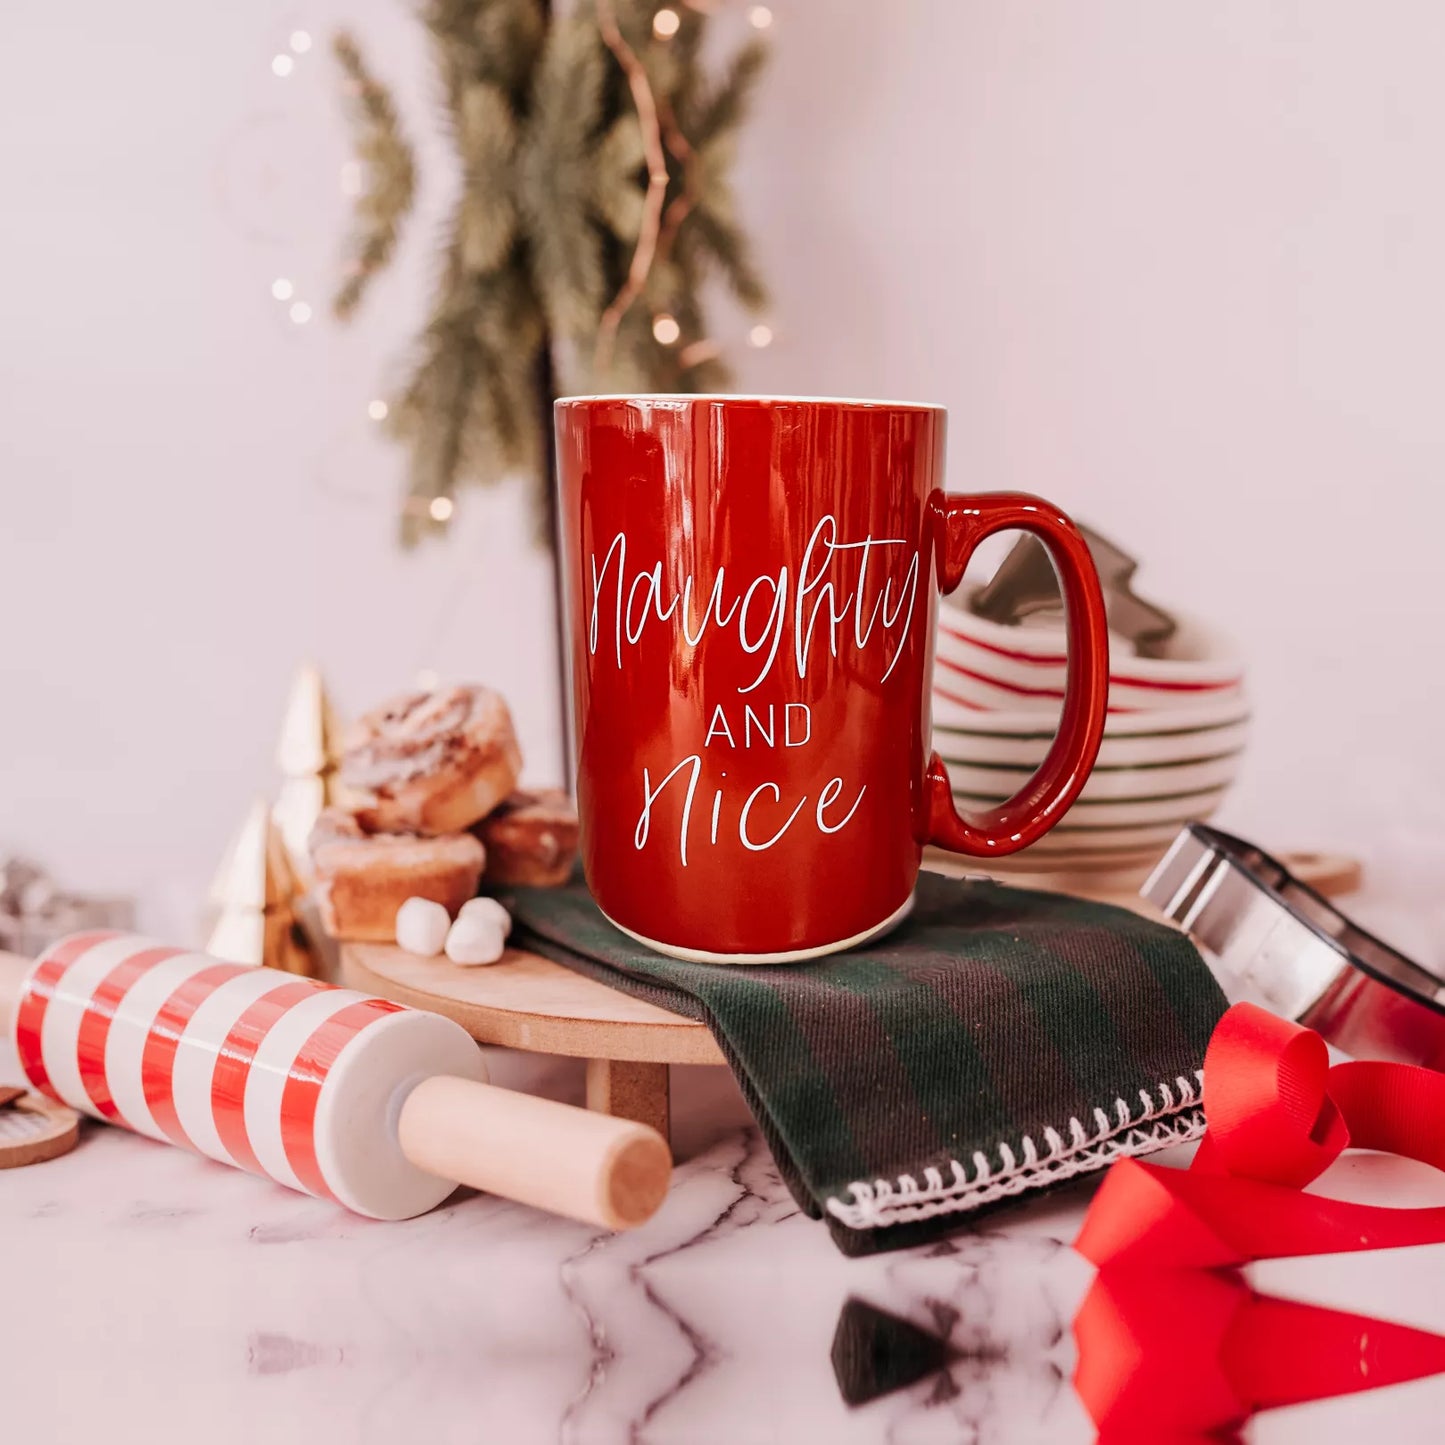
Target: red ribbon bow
(1167, 1354)
(1278, 1116)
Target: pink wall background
(1178, 267)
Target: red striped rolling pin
(381, 1108)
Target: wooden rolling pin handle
(601, 1170)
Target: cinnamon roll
(531, 840)
(431, 762)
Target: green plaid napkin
(997, 1042)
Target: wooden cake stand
(528, 1002)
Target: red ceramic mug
(752, 587)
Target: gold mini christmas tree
(307, 753)
(255, 894)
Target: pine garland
(542, 260)
(390, 173)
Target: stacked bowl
(1172, 744)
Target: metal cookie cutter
(1025, 585)
(1274, 939)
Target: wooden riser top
(528, 1002)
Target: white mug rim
(663, 397)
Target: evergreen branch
(595, 196)
(556, 176)
(729, 250)
(509, 36)
(616, 193)
(495, 42)
(432, 411)
(724, 110)
(390, 176)
(486, 137)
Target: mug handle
(960, 524)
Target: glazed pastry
(431, 762)
(362, 879)
(531, 840)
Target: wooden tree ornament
(307, 754)
(255, 892)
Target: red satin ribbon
(1172, 1357)
(1278, 1116)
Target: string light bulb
(282, 289)
(282, 65)
(440, 509)
(760, 17)
(666, 23)
(377, 410)
(761, 335)
(665, 329)
(300, 41)
(300, 313)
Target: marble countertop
(150, 1295)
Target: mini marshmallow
(487, 908)
(477, 938)
(421, 926)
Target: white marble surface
(149, 1295)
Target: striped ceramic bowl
(980, 664)
(1156, 771)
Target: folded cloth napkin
(997, 1042)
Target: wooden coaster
(34, 1128)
